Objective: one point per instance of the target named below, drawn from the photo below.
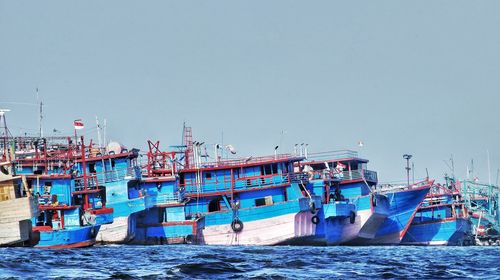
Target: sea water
(279, 262)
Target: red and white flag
(78, 124)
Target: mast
(5, 132)
(98, 133)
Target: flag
(78, 124)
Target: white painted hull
(271, 231)
(430, 243)
(365, 225)
(14, 232)
(117, 232)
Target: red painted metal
(228, 192)
(102, 211)
(57, 207)
(160, 163)
(243, 162)
(83, 244)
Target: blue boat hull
(68, 238)
(454, 232)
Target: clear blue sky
(419, 77)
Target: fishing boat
(404, 201)
(441, 219)
(165, 220)
(245, 201)
(352, 212)
(112, 172)
(72, 206)
(483, 204)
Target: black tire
(189, 239)
(352, 217)
(315, 219)
(237, 225)
(93, 232)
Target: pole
(413, 172)
(84, 168)
(489, 168)
(41, 117)
(98, 133)
(407, 157)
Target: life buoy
(315, 219)
(237, 225)
(352, 217)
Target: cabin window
(274, 168)
(181, 179)
(214, 205)
(113, 163)
(208, 176)
(268, 200)
(92, 167)
(162, 215)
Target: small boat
(71, 208)
(112, 173)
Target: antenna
(98, 132)
(40, 116)
(104, 133)
(413, 172)
(489, 168)
(498, 173)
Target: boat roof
(243, 162)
